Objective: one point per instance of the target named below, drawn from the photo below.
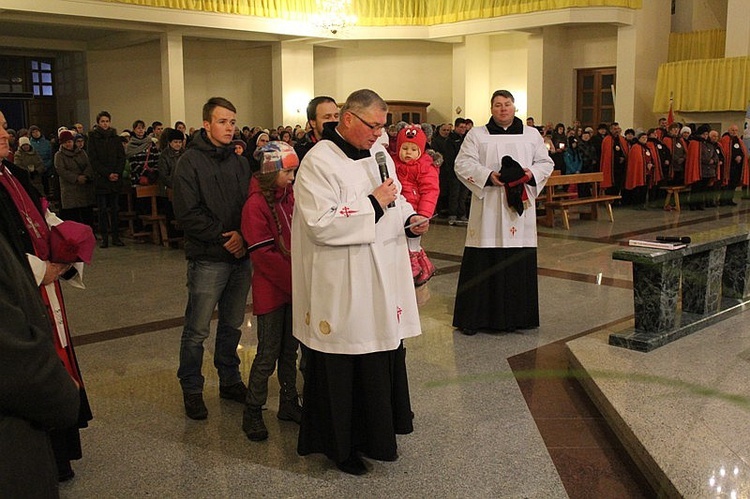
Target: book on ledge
(653, 243)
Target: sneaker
(462, 221)
(452, 220)
(236, 392)
(290, 411)
(253, 425)
(194, 406)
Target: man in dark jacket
(320, 110)
(107, 158)
(210, 188)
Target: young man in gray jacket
(210, 188)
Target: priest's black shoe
(117, 242)
(468, 332)
(352, 465)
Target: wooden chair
(157, 221)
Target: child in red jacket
(420, 182)
(266, 226)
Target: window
(41, 78)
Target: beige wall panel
(397, 70)
(508, 71)
(238, 71)
(127, 83)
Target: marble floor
(496, 414)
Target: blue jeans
(209, 284)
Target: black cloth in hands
(515, 192)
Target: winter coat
(210, 188)
(70, 165)
(106, 156)
(141, 153)
(43, 147)
(167, 165)
(272, 266)
(31, 162)
(420, 183)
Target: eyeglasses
(374, 128)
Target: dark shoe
(64, 472)
(253, 425)
(290, 411)
(236, 392)
(104, 244)
(117, 242)
(468, 332)
(352, 465)
(731, 203)
(194, 406)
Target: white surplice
(492, 224)
(352, 287)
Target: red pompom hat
(411, 133)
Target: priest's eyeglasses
(374, 128)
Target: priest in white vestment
(497, 287)
(353, 296)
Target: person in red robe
(735, 171)
(643, 171)
(614, 160)
(700, 167)
(32, 229)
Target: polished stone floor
(496, 414)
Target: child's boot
(253, 425)
(427, 269)
(416, 266)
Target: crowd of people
(364, 194)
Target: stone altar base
(687, 323)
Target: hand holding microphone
(386, 193)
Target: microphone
(383, 168)
(673, 239)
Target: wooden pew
(553, 202)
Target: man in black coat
(107, 157)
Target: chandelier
(333, 15)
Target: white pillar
(535, 80)
(293, 82)
(172, 78)
(626, 77)
(476, 77)
(738, 29)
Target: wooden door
(595, 102)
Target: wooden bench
(563, 203)
(674, 190)
(157, 221)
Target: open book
(653, 243)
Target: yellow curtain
(704, 85)
(708, 44)
(385, 12)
